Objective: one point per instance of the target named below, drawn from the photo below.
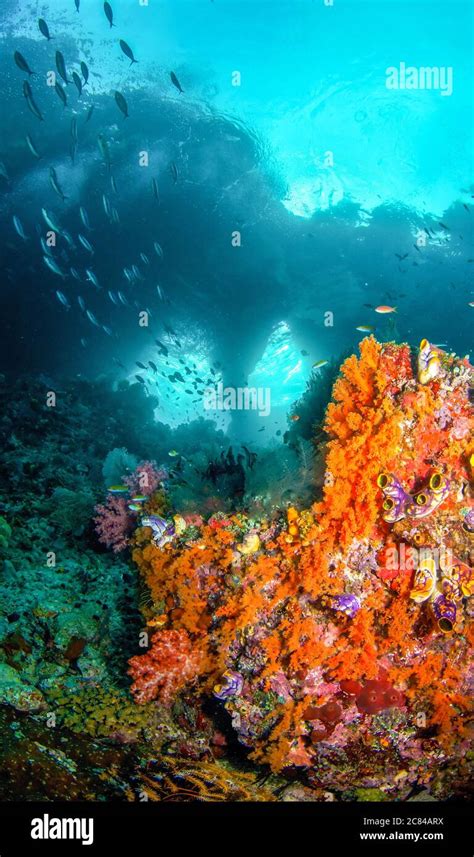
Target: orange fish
(384, 309)
(294, 418)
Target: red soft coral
(170, 663)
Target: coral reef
(306, 623)
(140, 490)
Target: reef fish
(127, 51)
(32, 106)
(109, 14)
(121, 104)
(61, 66)
(22, 63)
(43, 28)
(78, 82)
(60, 93)
(175, 82)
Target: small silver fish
(19, 227)
(53, 266)
(63, 299)
(55, 184)
(90, 315)
(49, 221)
(86, 244)
(84, 217)
(68, 239)
(81, 303)
(106, 204)
(92, 278)
(47, 250)
(32, 147)
(174, 171)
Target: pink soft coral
(170, 663)
(114, 524)
(146, 479)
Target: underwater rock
(17, 693)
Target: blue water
(324, 172)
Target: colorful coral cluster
(310, 627)
(116, 519)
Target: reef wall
(336, 637)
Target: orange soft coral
(271, 616)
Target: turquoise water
(287, 134)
